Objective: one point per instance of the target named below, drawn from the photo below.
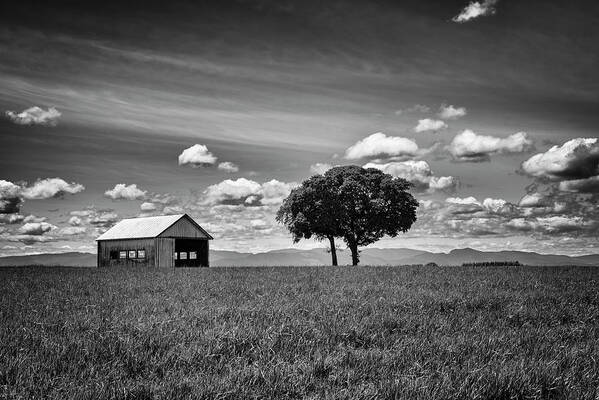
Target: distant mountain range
(294, 257)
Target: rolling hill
(295, 257)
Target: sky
(112, 110)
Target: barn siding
(165, 248)
(183, 228)
(106, 246)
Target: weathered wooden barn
(163, 241)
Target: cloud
(427, 124)
(532, 200)
(103, 219)
(246, 192)
(228, 167)
(75, 221)
(35, 116)
(11, 218)
(72, 230)
(122, 191)
(379, 144)
(419, 173)
(589, 185)
(10, 199)
(36, 228)
(197, 156)
(51, 187)
(451, 112)
(474, 10)
(469, 146)
(320, 168)
(147, 207)
(415, 108)
(574, 160)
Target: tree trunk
(355, 254)
(333, 250)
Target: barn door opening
(191, 253)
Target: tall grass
(338, 333)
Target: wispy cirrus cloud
(476, 9)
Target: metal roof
(144, 227)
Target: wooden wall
(165, 247)
(183, 229)
(106, 246)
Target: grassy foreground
(339, 333)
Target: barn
(162, 241)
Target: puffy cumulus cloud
(420, 108)
(475, 9)
(577, 159)
(443, 184)
(430, 125)
(549, 216)
(33, 218)
(197, 156)
(35, 116)
(228, 167)
(148, 207)
(75, 221)
(320, 168)
(72, 230)
(122, 191)
(169, 210)
(246, 192)
(379, 144)
(11, 218)
(104, 219)
(469, 146)
(451, 112)
(36, 228)
(50, 187)
(10, 198)
(589, 185)
(419, 173)
(532, 200)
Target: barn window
(132, 253)
(114, 254)
(176, 255)
(141, 254)
(192, 255)
(122, 254)
(183, 255)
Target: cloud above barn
(49, 188)
(123, 191)
(247, 192)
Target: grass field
(339, 333)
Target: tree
(310, 211)
(357, 204)
(372, 204)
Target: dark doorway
(191, 253)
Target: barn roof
(144, 227)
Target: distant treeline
(491, 264)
